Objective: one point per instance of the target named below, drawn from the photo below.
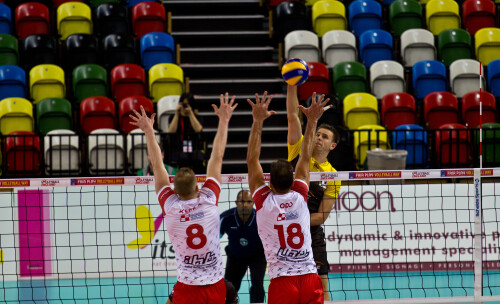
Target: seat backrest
(375, 45)
(440, 108)
(318, 81)
(387, 76)
(106, 154)
(470, 108)
(62, 153)
(22, 154)
(328, 15)
(360, 109)
(128, 80)
(302, 44)
(165, 79)
(397, 109)
(368, 137)
(16, 114)
(487, 45)
(478, 14)
(364, 15)
(32, 18)
(349, 77)
(338, 46)
(5, 19)
(405, 15)
(290, 16)
(47, 80)
(494, 77)
(118, 49)
(157, 47)
(417, 45)
(148, 17)
(413, 139)
(441, 15)
(53, 114)
(126, 108)
(9, 49)
(79, 49)
(73, 18)
(464, 76)
(12, 82)
(454, 44)
(137, 153)
(453, 146)
(89, 80)
(39, 49)
(111, 18)
(97, 113)
(166, 108)
(428, 76)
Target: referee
(244, 250)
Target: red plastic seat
(23, 154)
(397, 109)
(453, 146)
(128, 80)
(148, 17)
(97, 113)
(318, 81)
(32, 18)
(470, 108)
(440, 108)
(478, 14)
(126, 107)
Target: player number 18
(293, 230)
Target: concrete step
(242, 119)
(204, 102)
(217, 23)
(213, 7)
(226, 54)
(236, 86)
(233, 70)
(222, 38)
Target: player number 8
(191, 236)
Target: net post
(478, 241)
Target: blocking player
(320, 201)
(192, 216)
(282, 216)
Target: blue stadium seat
(375, 45)
(12, 82)
(428, 76)
(413, 139)
(5, 19)
(364, 15)
(156, 48)
(494, 77)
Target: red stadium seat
(97, 113)
(148, 17)
(478, 14)
(32, 18)
(453, 146)
(440, 108)
(470, 108)
(126, 107)
(397, 109)
(128, 80)
(23, 154)
(318, 81)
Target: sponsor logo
(49, 182)
(14, 183)
(374, 174)
(367, 201)
(281, 217)
(197, 216)
(286, 205)
(235, 179)
(208, 259)
(98, 181)
(328, 176)
(292, 255)
(243, 242)
(184, 218)
(146, 227)
(292, 215)
(144, 180)
(420, 174)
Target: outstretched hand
(226, 108)
(316, 108)
(142, 120)
(260, 110)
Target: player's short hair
(281, 175)
(336, 135)
(185, 181)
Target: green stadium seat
(89, 80)
(405, 15)
(9, 51)
(491, 144)
(53, 114)
(454, 44)
(349, 77)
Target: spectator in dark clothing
(244, 250)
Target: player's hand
(260, 110)
(316, 108)
(226, 108)
(142, 120)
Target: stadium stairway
(225, 46)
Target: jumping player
(192, 216)
(282, 216)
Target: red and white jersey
(283, 222)
(193, 227)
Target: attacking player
(192, 216)
(320, 201)
(282, 216)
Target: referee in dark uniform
(244, 250)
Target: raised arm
(313, 113)
(260, 113)
(292, 115)
(146, 125)
(224, 112)
(172, 127)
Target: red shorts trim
(301, 289)
(202, 294)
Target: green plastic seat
(491, 144)
(53, 114)
(9, 51)
(89, 80)
(454, 44)
(349, 77)
(405, 15)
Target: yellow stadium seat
(16, 114)
(165, 79)
(366, 138)
(487, 44)
(47, 81)
(328, 15)
(442, 15)
(360, 109)
(73, 18)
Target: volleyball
(295, 71)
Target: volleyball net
(424, 236)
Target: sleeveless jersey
(193, 228)
(284, 228)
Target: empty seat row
(76, 18)
(49, 81)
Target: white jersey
(283, 222)
(193, 227)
